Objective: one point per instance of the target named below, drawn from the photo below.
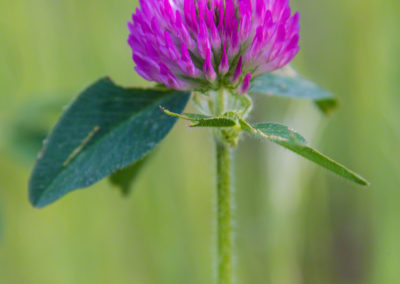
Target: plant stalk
(224, 203)
(224, 213)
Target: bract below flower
(210, 44)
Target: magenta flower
(210, 44)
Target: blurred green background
(296, 223)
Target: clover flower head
(212, 44)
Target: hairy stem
(224, 213)
(224, 202)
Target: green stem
(220, 102)
(224, 203)
(224, 213)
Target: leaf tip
(358, 179)
(36, 200)
(328, 106)
(364, 182)
(170, 113)
(109, 79)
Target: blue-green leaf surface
(287, 83)
(293, 141)
(105, 129)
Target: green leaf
(124, 178)
(105, 129)
(201, 120)
(287, 83)
(293, 141)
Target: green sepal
(287, 83)
(293, 141)
(240, 104)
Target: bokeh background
(296, 223)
